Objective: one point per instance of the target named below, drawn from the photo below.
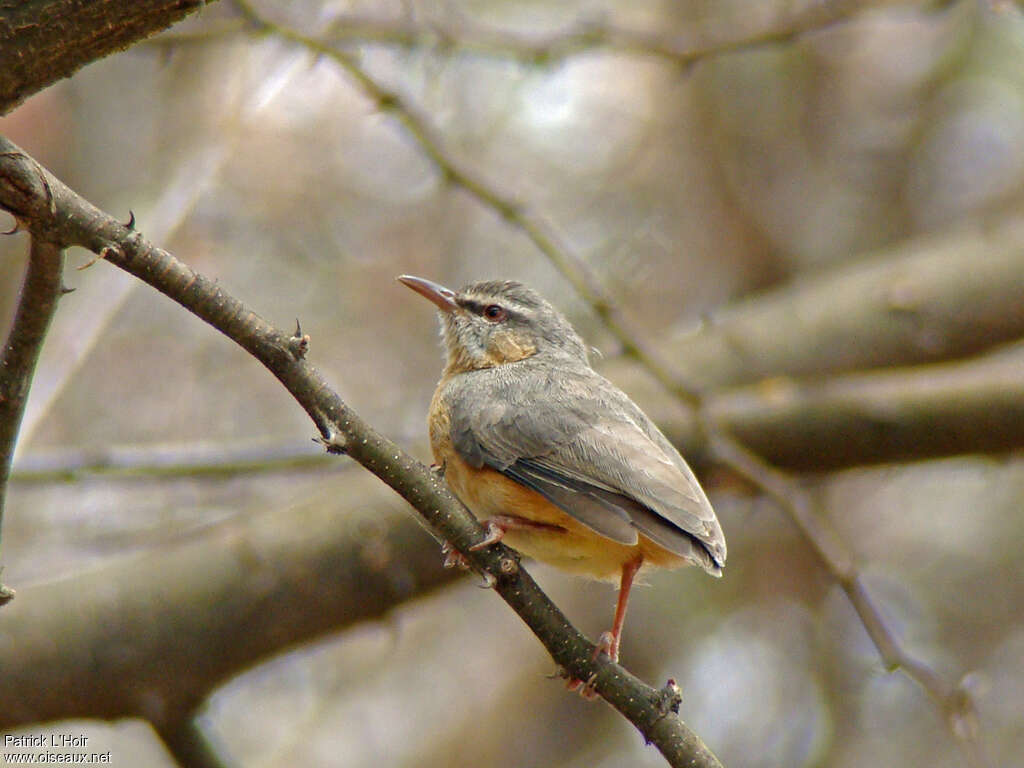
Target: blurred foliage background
(684, 185)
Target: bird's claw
(453, 558)
(495, 533)
(585, 689)
(607, 644)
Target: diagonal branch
(73, 221)
(954, 701)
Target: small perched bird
(553, 458)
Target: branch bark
(32, 193)
(42, 41)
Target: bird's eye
(495, 313)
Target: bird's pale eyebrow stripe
(478, 307)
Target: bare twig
(701, 41)
(72, 220)
(534, 227)
(954, 701)
(159, 461)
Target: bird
(551, 457)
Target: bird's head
(497, 322)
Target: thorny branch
(954, 701)
(69, 219)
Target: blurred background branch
(250, 582)
(450, 33)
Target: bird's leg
(608, 642)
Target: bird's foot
(608, 644)
(496, 528)
(453, 558)
(584, 689)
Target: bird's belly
(547, 532)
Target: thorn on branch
(453, 558)
(669, 698)
(64, 290)
(298, 343)
(334, 443)
(130, 224)
(586, 689)
(51, 202)
(105, 251)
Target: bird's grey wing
(588, 449)
(662, 497)
(504, 436)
